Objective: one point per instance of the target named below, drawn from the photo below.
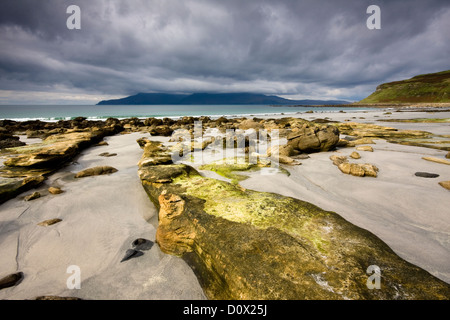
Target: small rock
(445, 184)
(95, 171)
(426, 175)
(102, 143)
(11, 280)
(49, 222)
(337, 160)
(364, 148)
(437, 160)
(32, 196)
(55, 190)
(139, 241)
(355, 155)
(447, 155)
(359, 170)
(131, 253)
(142, 141)
(107, 154)
(142, 244)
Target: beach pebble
(107, 154)
(32, 196)
(49, 222)
(447, 155)
(426, 175)
(102, 143)
(364, 148)
(131, 253)
(11, 280)
(355, 155)
(55, 190)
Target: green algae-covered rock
(244, 244)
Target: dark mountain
(147, 98)
(212, 99)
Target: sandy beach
(102, 215)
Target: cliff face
(433, 87)
(244, 244)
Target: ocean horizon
(103, 112)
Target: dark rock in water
(11, 280)
(142, 244)
(426, 175)
(32, 196)
(131, 253)
(96, 171)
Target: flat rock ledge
(28, 166)
(244, 244)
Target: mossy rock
(244, 244)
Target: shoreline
(354, 107)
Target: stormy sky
(292, 48)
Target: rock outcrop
(28, 166)
(7, 140)
(244, 244)
(363, 133)
(314, 138)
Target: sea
(103, 112)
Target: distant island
(429, 88)
(213, 99)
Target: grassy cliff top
(432, 87)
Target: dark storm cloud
(319, 49)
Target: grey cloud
(277, 47)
